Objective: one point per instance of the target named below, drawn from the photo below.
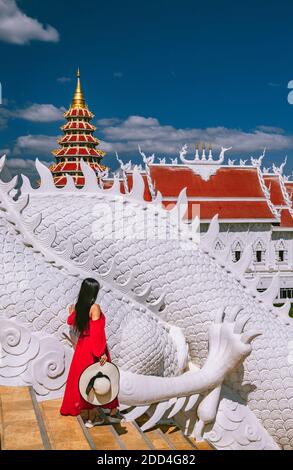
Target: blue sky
(159, 73)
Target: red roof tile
(286, 219)
(227, 182)
(78, 138)
(78, 152)
(78, 125)
(226, 209)
(249, 210)
(273, 184)
(79, 112)
(289, 187)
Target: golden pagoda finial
(78, 97)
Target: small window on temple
(281, 255)
(258, 256)
(237, 255)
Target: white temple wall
(272, 242)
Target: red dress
(90, 346)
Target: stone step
(65, 432)
(28, 425)
(21, 422)
(132, 437)
(159, 440)
(202, 445)
(105, 437)
(178, 440)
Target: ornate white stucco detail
(148, 161)
(278, 170)
(257, 162)
(183, 323)
(266, 191)
(204, 166)
(286, 196)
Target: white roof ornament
(182, 154)
(231, 162)
(137, 167)
(204, 165)
(242, 162)
(124, 166)
(222, 154)
(210, 153)
(256, 162)
(266, 170)
(278, 170)
(147, 160)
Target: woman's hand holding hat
(103, 359)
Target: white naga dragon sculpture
(182, 324)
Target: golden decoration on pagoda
(78, 100)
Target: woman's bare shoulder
(95, 312)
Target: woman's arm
(97, 333)
(71, 315)
(71, 309)
(95, 312)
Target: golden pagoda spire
(78, 100)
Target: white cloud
(5, 115)
(271, 129)
(35, 113)
(108, 122)
(17, 166)
(41, 113)
(20, 163)
(4, 151)
(125, 136)
(35, 145)
(18, 28)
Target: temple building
(78, 142)
(253, 203)
(254, 206)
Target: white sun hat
(99, 385)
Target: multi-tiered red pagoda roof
(77, 142)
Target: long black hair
(86, 298)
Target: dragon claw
(228, 344)
(248, 336)
(240, 325)
(219, 317)
(235, 311)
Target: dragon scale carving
(182, 324)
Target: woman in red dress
(88, 321)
